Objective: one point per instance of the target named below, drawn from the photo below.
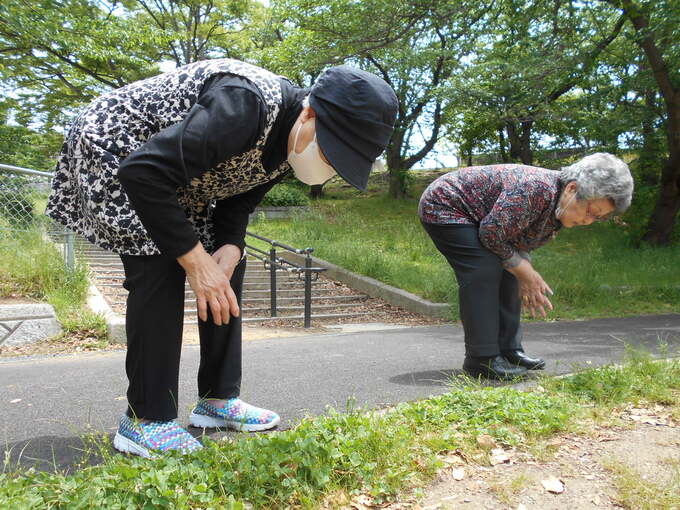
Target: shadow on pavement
(452, 377)
(56, 454)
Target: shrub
(284, 195)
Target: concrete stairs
(329, 299)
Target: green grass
(32, 267)
(375, 454)
(594, 271)
(642, 378)
(325, 460)
(638, 493)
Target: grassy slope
(595, 271)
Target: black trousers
(488, 295)
(154, 323)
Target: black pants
(488, 295)
(154, 324)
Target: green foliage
(379, 454)
(59, 56)
(414, 47)
(284, 195)
(594, 271)
(640, 378)
(32, 267)
(21, 146)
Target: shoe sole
(125, 445)
(210, 422)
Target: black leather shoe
(492, 368)
(518, 358)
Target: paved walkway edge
(375, 288)
(115, 324)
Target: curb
(376, 289)
(115, 324)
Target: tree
(60, 54)
(413, 46)
(656, 32)
(193, 30)
(537, 53)
(57, 54)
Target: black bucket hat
(355, 115)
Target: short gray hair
(601, 175)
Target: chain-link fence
(23, 196)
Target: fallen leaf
(499, 456)
(453, 459)
(554, 485)
(458, 474)
(15, 401)
(362, 502)
(603, 439)
(486, 441)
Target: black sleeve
(226, 121)
(231, 214)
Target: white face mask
(308, 165)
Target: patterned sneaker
(236, 415)
(155, 436)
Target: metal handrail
(28, 171)
(272, 262)
(281, 245)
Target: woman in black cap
(165, 172)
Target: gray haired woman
(487, 219)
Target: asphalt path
(48, 404)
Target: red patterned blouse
(513, 206)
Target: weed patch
(32, 267)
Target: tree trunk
(397, 174)
(316, 191)
(520, 143)
(501, 145)
(664, 216)
(396, 188)
(662, 220)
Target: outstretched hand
(209, 278)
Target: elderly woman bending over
(486, 220)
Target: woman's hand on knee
(211, 285)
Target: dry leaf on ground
(553, 484)
(458, 474)
(499, 456)
(486, 441)
(362, 502)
